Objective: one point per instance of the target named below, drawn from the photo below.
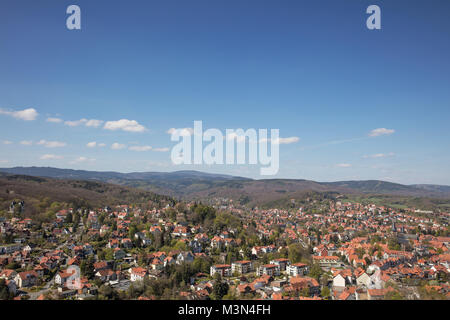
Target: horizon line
(221, 174)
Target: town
(320, 249)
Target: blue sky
(309, 68)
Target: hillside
(194, 185)
(35, 190)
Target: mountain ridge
(197, 185)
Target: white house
(363, 279)
(296, 269)
(339, 282)
(137, 274)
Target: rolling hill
(90, 193)
(194, 185)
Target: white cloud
(6, 142)
(82, 159)
(54, 120)
(140, 148)
(51, 144)
(182, 132)
(4, 161)
(161, 149)
(379, 155)
(74, 123)
(125, 125)
(343, 165)
(51, 157)
(117, 146)
(29, 114)
(26, 142)
(381, 132)
(288, 140)
(86, 122)
(94, 144)
(94, 123)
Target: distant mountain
(377, 186)
(107, 175)
(34, 190)
(194, 185)
(432, 187)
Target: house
(300, 283)
(338, 282)
(65, 292)
(122, 215)
(168, 261)
(245, 288)
(217, 242)
(160, 255)
(157, 264)
(48, 262)
(64, 277)
(364, 280)
(106, 275)
(26, 279)
(101, 265)
(327, 261)
(262, 281)
(268, 269)
(201, 237)
(223, 269)
(278, 285)
(137, 274)
(10, 248)
(76, 260)
(113, 243)
(241, 267)
(297, 269)
(341, 278)
(282, 263)
(40, 270)
(180, 231)
(88, 249)
(377, 294)
(119, 254)
(378, 280)
(126, 243)
(229, 242)
(185, 257)
(196, 246)
(155, 230)
(62, 214)
(347, 294)
(146, 241)
(257, 250)
(8, 274)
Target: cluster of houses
(363, 252)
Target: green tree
(69, 218)
(315, 271)
(105, 291)
(325, 293)
(393, 295)
(87, 268)
(295, 252)
(4, 291)
(220, 288)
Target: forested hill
(39, 193)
